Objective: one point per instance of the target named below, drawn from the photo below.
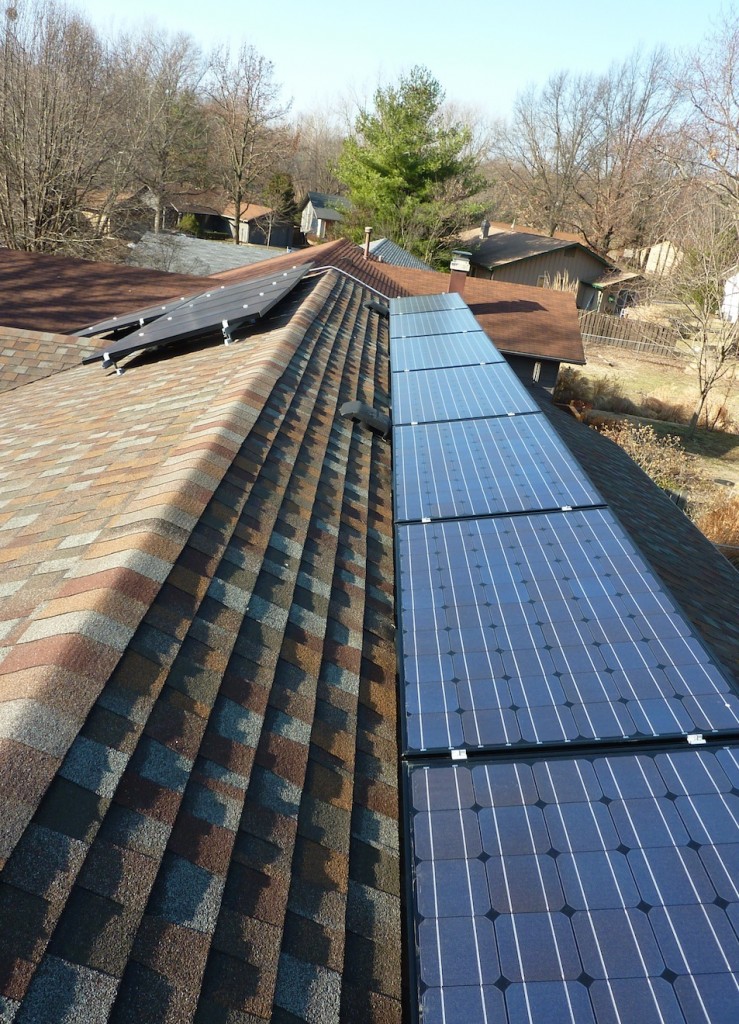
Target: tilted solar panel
(219, 309)
(484, 467)
(128, 322)
(545, 629)
(426, 303)
(443, 350)
(441, 321)
(580, 890)
(465, 392)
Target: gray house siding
(541, 271)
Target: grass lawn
(642, 376)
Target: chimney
(367, 237)
(460, 268)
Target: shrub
(721, 522)
(189, 224)
(662, 458)
(572, 385)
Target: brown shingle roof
(536, 322)
(197, 713)
(26, 356)
(55, 293)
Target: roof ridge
(83, 646)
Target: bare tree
(168, 119)
(55, 124)
(542, 149)
(583, 153)
(318, 142)
(709, 85)
(694, 291)
(249, 134)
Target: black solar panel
(484, 467)
(128, 322)
(465, 392)
(589, 890)
(426, 303)
(440, 321)
(545, 629)
(442, 351)
(220, 308)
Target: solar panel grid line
(484, 466)
(424, 303)
(465, 392)
(442, 351)
(534, 669)
(624, 907)
(433, 322)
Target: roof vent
(377, 307)
(373, 419)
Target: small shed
(321, 213)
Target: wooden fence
(621, 331)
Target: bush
(662, 458)
(721, 522)
(572, 385)
(189, 224)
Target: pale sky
(482, 51)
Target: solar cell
(521, 630)
(484, 467)
(543, 893)
(441, 321)
(463, 392)
(443, 350)
(426, 303)
(221, 308)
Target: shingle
(64, 993)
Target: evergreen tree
(408, 172)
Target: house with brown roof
(199, 720)
(520, 257)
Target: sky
(483, 52)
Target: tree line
(621, 159)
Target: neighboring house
(730, 302)
(321, 214)
(183, 254)
(385, 251)
(122, 216)
(216, 216)
(201, 743)
(521, 258)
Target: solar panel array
(225, 308)
(582, 867)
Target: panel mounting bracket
(696, 739)
(459, 755)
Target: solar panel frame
(596, 887)
(484, 665)
(231, 306)
(474, 468)
(459, 392)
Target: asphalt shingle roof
(510, 246)
(197, 723)
(198, 707)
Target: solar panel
(442, 351)
(484, 467)
(545, 629)
(227, 308)
(426, 303)
(581, 890)
(441, 321)
(129, 321)
(465, 392)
